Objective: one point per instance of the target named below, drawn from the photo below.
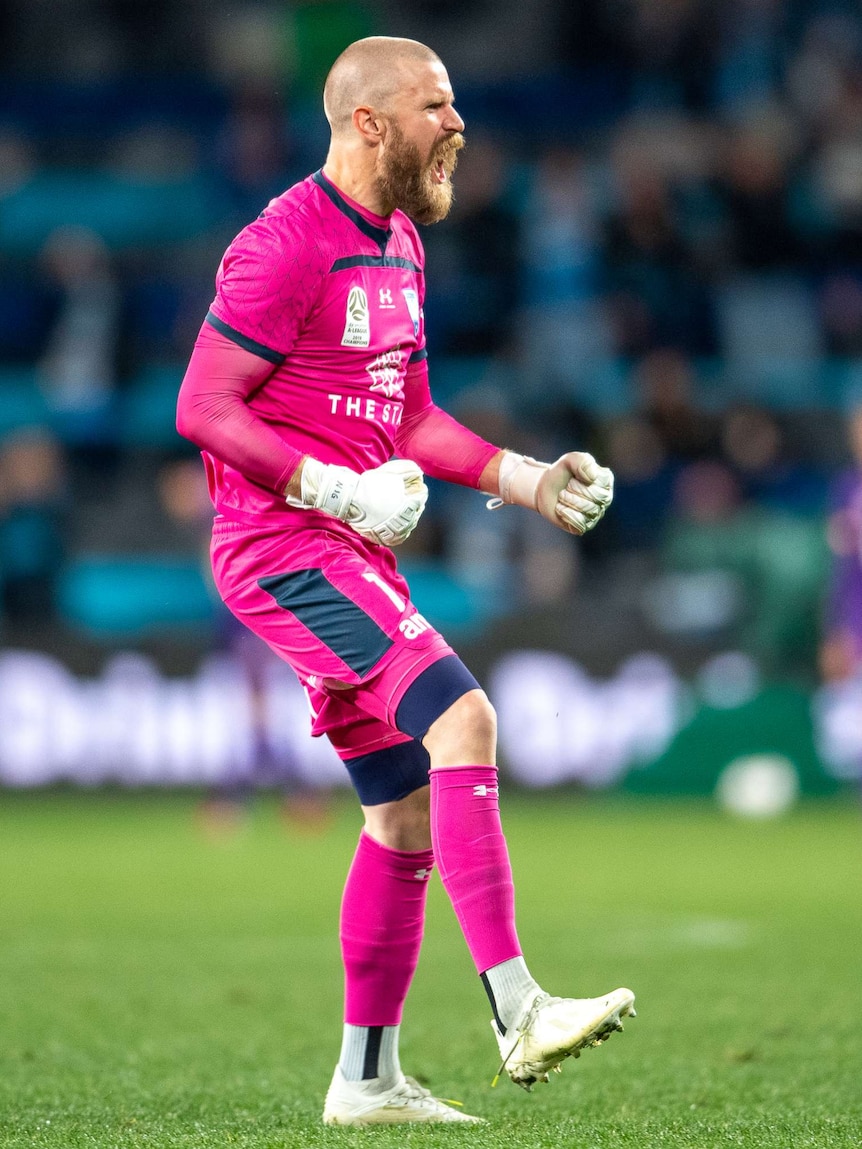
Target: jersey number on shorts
(409, 627)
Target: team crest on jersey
(386, 375)
(357, 322)
(411, 298)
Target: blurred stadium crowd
(655, 253)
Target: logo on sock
(423, 875)
(484, 791)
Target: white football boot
(550, 1029)
(365, 1103)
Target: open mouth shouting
(443, 164)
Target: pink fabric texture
(315, 345)
(473, 860)
(382, 919)
(303, 289)
(213, 411)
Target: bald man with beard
(307, 392)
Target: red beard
(407, 183)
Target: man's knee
(465, 733)
(472, 710)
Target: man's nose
(454, 123)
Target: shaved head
(369, 73)
(395, 131)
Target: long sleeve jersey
(315, 345)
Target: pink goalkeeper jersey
(332, 296)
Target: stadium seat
(148, 408)
(447, 603)
(113, 597)
(22, 404)
(842, 383)
(122, 211)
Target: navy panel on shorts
(432, 693)
(331, 616)
(390, 774)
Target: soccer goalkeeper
(308, 377)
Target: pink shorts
(336, 609)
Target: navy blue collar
(380, 235)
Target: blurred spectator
(656, 296)
(755, 185)
(643, 482)
(841, 313)
(817, 75)
(17, 160)
(741, 572)
(664, 393)
(748, 51)
(80, 365)
(25, 304)
(671, 47)
(245, 44)
(253, 149)
(841, 646)
(186, 507)
(33, 521)
(666, 49)
(754, 442)
(825, 90)
(561, 231)
(565, 333)
(837, 182)
(473, 260)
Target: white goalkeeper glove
(383, 504)
(572, 493)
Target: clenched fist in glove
(572, 493)
(383, 504)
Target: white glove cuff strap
(326, 488)
(309, 484)
(311, 480)
(519, 479)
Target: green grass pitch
(161, 989)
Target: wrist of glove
(383, 504)
(573, 493)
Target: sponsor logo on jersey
(357, 323)
(411, 298)
(385, 297)
(387, 374)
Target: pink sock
(473, 860)
(382, 917)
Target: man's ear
(370, 125)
